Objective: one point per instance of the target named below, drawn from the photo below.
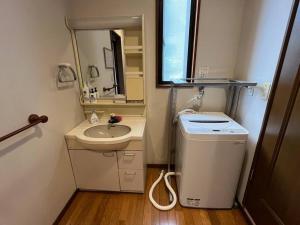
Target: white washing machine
(210, 150)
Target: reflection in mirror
(101, 55)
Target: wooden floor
(91, 208)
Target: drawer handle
(130, 173)
(108, 154)
(129, 154)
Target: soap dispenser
(94, 118)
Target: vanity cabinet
(109, 170)
(95, 170)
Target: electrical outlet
(265, 89)
(250, 91)
(203, 71)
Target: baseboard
(245, 213)
(160, 166)
(63, 211)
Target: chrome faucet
(111, 121)
(110, 125)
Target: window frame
(192, 48)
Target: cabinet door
(135, 87)
(95, 170)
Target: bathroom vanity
(109, 161)
(110, 63)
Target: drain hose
(155, 204)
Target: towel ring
(91, 68)
(63, 67)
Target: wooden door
(273, 191)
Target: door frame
(271, 99)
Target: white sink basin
(105, 137)
(101, 137)
(107, 131)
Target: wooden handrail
(33, 120)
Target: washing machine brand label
(193, 202)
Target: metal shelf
(234, 89)
(214, 82)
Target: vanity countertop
(136, 123)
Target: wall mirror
(110, 59)
(101, 56)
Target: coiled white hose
(155, 204)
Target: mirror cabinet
(110, 60)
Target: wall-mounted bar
(33, 120)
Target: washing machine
(210, 149)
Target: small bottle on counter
(96, 93)
(92, 95)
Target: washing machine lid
(211, 125)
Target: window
(176, 40)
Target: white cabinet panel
(131, 180)
(95, 170)
(130, 159)
(135, 87)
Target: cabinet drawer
(131, 180)
(130, 160)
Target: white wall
(219, 35)
(264, 26)
(36, 179)
(157, 98)
(90, 45)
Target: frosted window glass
(176, 26)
